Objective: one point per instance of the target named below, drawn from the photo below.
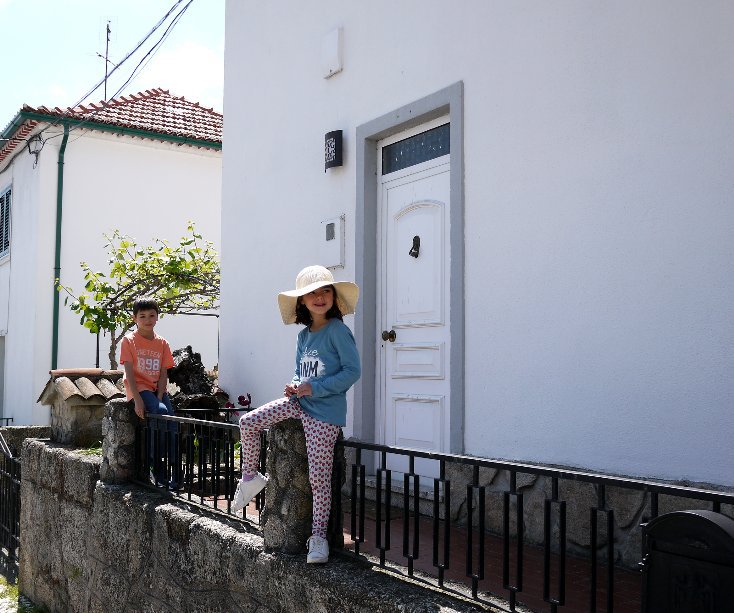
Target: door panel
(413, 387)
(418, 360)
(418, 424)
(416, 283)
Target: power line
(121, 62)
(146, 58)
(151, 52)
(154, 49)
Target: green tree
(183, 278)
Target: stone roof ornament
(77, 398)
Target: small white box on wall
(331, 243)
(331, 53)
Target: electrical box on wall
(331, 243)
(332, 49)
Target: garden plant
(182, 278)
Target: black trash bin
(688, 563)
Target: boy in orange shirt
(146, 358)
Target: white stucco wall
(146, 189)
(598, 210)
(23, 278)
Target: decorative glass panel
(416, 149)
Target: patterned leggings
(320, 440)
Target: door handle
(389, 336)
(416, 248)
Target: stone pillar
(286, 519)
(118, 444)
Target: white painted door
(413, 385)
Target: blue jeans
(165, 429)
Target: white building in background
(144, 164)
(567, 169)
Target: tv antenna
(106, 58)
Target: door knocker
(415, 249)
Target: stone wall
(88, 546)
(15, 435)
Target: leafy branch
(182, 278)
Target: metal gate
(9, 512)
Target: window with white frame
(5, 222)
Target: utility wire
(154, 49)
(146, 58)
(56, 122)
(121, 62)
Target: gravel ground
(8, 603)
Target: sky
(50, 49)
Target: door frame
(448, 101)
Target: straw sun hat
(310, 279)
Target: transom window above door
(420, 148)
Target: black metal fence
(195, 459)
(499, 539)
(9, 512)
(423, 520)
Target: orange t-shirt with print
(148, 357)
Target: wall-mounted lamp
(35, 144)
(332, 149)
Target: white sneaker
(318, 550)
(247, 490)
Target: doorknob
(389, 336)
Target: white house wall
(598, 210)
(145, 189)
(22, 277)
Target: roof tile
(84, 384)
(154, 110)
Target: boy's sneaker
(318, 550)
(247, 490)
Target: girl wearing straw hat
(327, 365)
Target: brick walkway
(627, 584)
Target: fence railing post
(118, 444)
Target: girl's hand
(140, 408)
(290, 390)
(304, 389)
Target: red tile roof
(154, 110)
(17, 138)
